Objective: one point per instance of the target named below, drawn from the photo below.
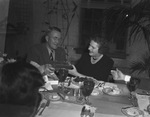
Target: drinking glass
(132, 86)
(86, 89)
(62, 74)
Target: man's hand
(117, 75)
(44, 69)
(47, 69)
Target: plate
(132, 112)
(73, 86)
(95, 92)
(114, 91)
(54, 97)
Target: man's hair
(20, 83)
(53, 28)
(48, 31)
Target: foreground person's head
(19, 85)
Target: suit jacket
(40, 55)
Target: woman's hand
(75, 72)
(72, 71)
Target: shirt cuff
(127, 78)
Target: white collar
(93, 61)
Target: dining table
(105, 105)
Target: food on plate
(70, 98)
(54, 96)
(132, 112)
(112, 90)
(80, 79)
(95, 92)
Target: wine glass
(86, 89)
(132, 86)
(62, 74)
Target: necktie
(51, 55)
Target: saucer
(95, 92)
(114, 91)
(54, 97)
(132, 112)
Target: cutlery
(42, 107)
(61, 96)
(127, 107)
(69, 83)
(42, 110)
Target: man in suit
(42, 55)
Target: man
(118, 75)
(43, 55)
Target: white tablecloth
(64, 109)
(107, 106)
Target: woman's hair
(20, 83)
(103, 45)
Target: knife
(61, 96)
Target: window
(91, 22)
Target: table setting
(140, 104)
(85, 92)
(65, 90)
(140, 100)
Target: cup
(62, 74)
(86, 89)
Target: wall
(37, 26)
(19, 29)
(134, 51)
(4, 5)
(40, 16)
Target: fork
(42, 107)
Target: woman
(95, 63)
(19, 89)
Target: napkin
(88, 111)
(48, 86)
(143, 103)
